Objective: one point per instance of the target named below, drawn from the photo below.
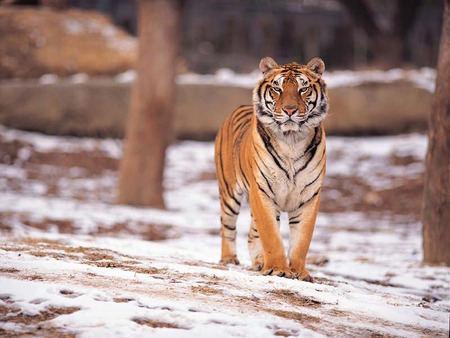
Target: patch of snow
(423, 78)
(47, 143)
(79, 78)
(223, 77)
(47, 79)
(372, 156)
(126, 77)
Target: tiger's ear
(267, 64)
(316, 65)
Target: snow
(422, 78)
(123, 285)
(48, 79)
(374, 172)
(113, 36)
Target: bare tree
(149, 127)
(436, 202)
(387, 45)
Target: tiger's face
(291, 99)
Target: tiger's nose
(290, 110)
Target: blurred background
(70, 58)
(235, 34)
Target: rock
(99, 107)
(37, 41)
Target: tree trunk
(149, 126)
(436, 203)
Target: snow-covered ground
(72, 263)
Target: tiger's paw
(304, 276)
(257, 263)
(257, 266)
(280, 272)
(229, 260)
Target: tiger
(272, 153)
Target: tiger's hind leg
(255, 248)
(230, 208)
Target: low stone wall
(99, 107)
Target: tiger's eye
(276, 89)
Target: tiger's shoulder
(240, 120)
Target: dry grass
(156, 324)
(206, 290)
(295, 299)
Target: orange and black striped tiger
(274, 153)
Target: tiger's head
(291, 99)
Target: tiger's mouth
(290, 125)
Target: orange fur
(274, 153)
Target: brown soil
(34, 326)
(156, 324)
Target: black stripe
(317, 98)
(265, 178)
(264, 98)
(315, 141)
(269, 147)
(234, 212)
(261, 112)
(312, 147)
(229, 227)
(265, 192)
(320, 161)
(306, 202)
(238, 128)
(251, 235)
(227, 187)
(260, 88)
(314, 180)
(221, 163)
(322, 91)
(242, 114)
(243, 175)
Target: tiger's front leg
(301, 225)
(265, 221)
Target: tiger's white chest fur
(290, 174)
